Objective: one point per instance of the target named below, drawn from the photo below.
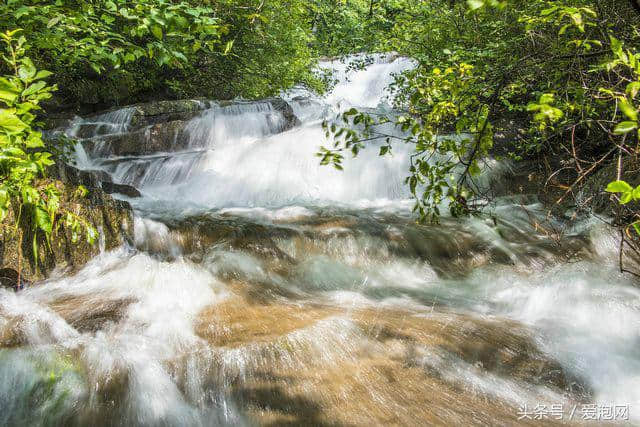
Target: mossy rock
(112, 218)
(165, 111)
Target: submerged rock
(91, 314)
(307, 361)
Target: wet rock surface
(452, 248)
(162, 126)
(126, 190)
(159, 137)
(86, 315)
(167, 111)
(75, 176)
(393, 359)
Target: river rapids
(265, 289)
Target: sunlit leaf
(625, 127)
(618, 187)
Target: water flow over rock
(265, 289)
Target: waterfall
(263, 288)
(242, 155)
(112, 122)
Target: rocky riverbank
(113, 219)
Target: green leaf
(625, 127)
(10, 123)
(42, 74)
(618, 187)
(227, 47)
(13, 151)
(632, 89)
(34, 88)
(43, 220)
(546, 98)
(625, 198)
(43, 159)
(53, 21)
(156, 30)
(180, 56)
(474, 169)
(616, 45)
(636, 226)
(34, 140)
(24, 10)
(9, 86)
(4, 204)
(9, 96)
(27, 70)
(475, 4)
(628, 109)
(81, 191)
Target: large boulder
(135, 117)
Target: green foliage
(448, 128)
(626, 193)
(346, 26)
(23, 155)
(97, 49)
(111, 33)
(109, 52)
(565, 71)
(624, 94)
(270, 51)
(545, 112)
(537, 63)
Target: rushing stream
(263, 288)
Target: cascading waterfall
(112, 122)
(234, 123)
(264, 288)
(239, 156)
